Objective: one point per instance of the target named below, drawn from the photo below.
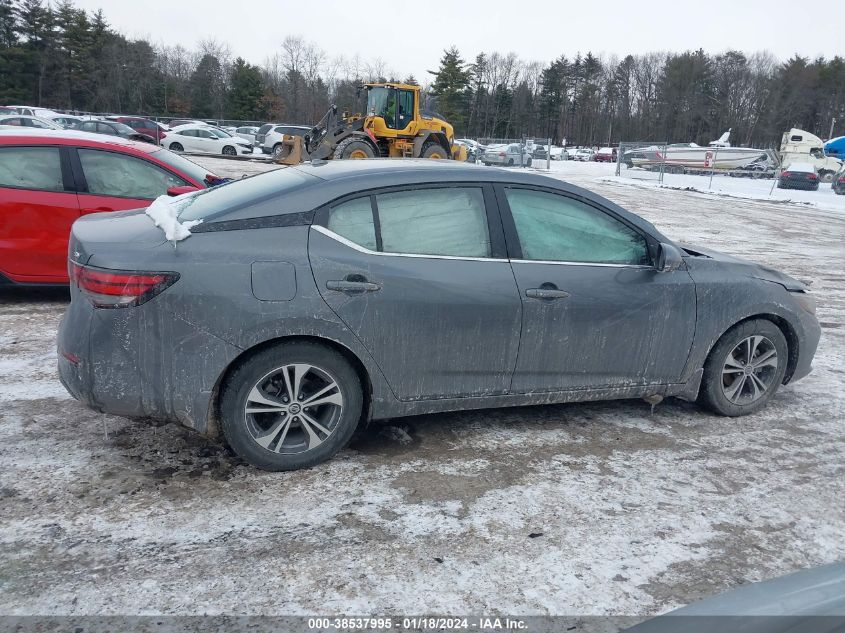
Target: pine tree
(451, 87)
(246, 90)
(205, 83)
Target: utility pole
(832, 123)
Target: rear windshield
(207, 203)
(263, 129)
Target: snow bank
(164, 211)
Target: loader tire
(434, 150)
(354, 148)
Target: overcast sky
(410, 36)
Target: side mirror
(178, 191)
(669, 258)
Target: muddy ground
(603, 508)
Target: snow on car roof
(803, 167)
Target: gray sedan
(314, 297)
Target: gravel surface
(601, 508)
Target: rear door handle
(356, 286)
(546, 293)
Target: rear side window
(113, 174)
(432, 221)
(354, 221)
(551, 227)
(31, 168)
(449, 221)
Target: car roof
(71, 137)
(331, 180)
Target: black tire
(712, 392)
(354, 148)
(433, 150)
(510, 162)
(228, 150)
(826, 176)
(176, 147)
(528, 164)
(240, 383)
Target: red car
(50, 178)
(606, 155)
(142, 125)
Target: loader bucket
(294, 154)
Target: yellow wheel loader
(393, 127)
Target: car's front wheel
(744, 369)
(291, 406)
(228, 150)
(176, 147)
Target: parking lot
(603, 508)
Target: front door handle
(353, 284)
(546, 293)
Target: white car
(202, 138)
(247, 133)
(559, 153)
(22, 120)
(273, 138)
(584, 155)
(42, 113)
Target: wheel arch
(786, 328)
(213, 416)
(437, 137)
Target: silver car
(506, 155)
(314, 297)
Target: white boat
(717, 155)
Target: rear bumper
(799, 184)
(140, 362)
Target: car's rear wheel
(228, 150)
(291, 406)
(744, 369)
(280, 150)
(176, 147)
(826, 176)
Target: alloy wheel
(749, 370)
(293, 409)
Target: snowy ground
(603, 508)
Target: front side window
(31, 168)
(354, 221)
(112, 174)
(449, 221)
(89, 126)
(552, 227)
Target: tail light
(161, 135)
(786, 174)
(502, 154)
(812, 177)
(842, 180)
(119, 288)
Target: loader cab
(396, 104)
